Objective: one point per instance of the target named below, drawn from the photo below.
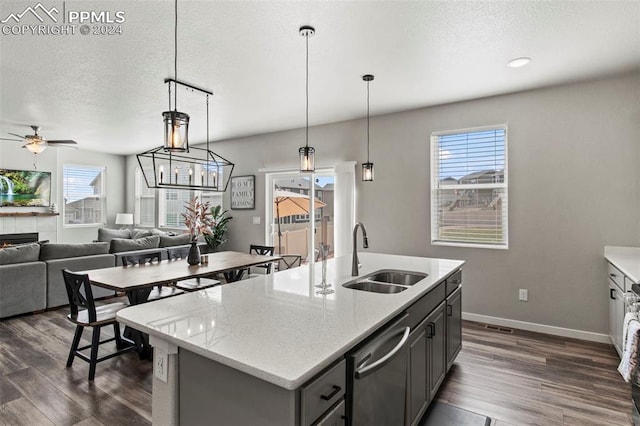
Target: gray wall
(574, 152)
(12, 156)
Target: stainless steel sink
(386, 281)
(374, 287)
(397, 277)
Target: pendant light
(367, 168)
(176, 124)
(307, 153)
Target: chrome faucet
(365, 244)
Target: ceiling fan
(36, 143)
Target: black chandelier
(174, 164)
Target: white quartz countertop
(627, 259)
(274, 326)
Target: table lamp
(124, 219)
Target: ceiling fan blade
(62, 142)
(6, 139)
(13, 134)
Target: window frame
(435, 187)
(162, 203)
(103, 196)
(139, 195)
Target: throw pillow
(20, 254)
(178, 240)
(118, 245)
(63, 251)
(140, 233)
(106, 234)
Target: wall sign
(242, 192)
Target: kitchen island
(249, 350)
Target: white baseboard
(539, 328)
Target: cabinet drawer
(453, 282)
(319, 395)
(616, 276)
(335, 417)
(627, 284)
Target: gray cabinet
(418, 390)
(322, 393)
(454, 325)
(436, 323)
(427, 362)
(335, 417)
(616, 288)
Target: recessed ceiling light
(518, 62)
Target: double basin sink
(386, 281)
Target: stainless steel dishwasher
(378, 377)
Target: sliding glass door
(302, 213)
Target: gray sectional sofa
(31, 274)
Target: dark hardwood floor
(525, 378)
(515, 378)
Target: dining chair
(244, 273)
(289, 261)
(159, 291)
(192, 284)
(80, 296)
(263, 251)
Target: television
(25, 188)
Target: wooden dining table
(138, 281)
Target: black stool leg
(93, 360)
(75, 344)
(116, 332)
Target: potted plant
(199, 221)
(216, 236)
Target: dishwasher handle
(365, 371)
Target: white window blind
(84, 195)
(171, 202)
(469, 187)
(145, 201)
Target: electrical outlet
(256, 220)
(160, 364)
(523, 295)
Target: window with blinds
(469, 187)
(84, 195)
(144, 211)
(170, 202)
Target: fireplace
(11, 239)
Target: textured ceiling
(107, 92)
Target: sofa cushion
(106, 234)
(20, 254)
(140, 233)
(64, 251)
(178, 240)
(120, 244)
(56, 290)
(23, 288)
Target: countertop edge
(619, 257)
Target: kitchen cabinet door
(454, 326)
(613, 317)
(436, 322)
(417, 391)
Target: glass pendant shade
(307, 159)
(367, 172)
(36, 148)
(176, 131)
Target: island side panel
(212, 393)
